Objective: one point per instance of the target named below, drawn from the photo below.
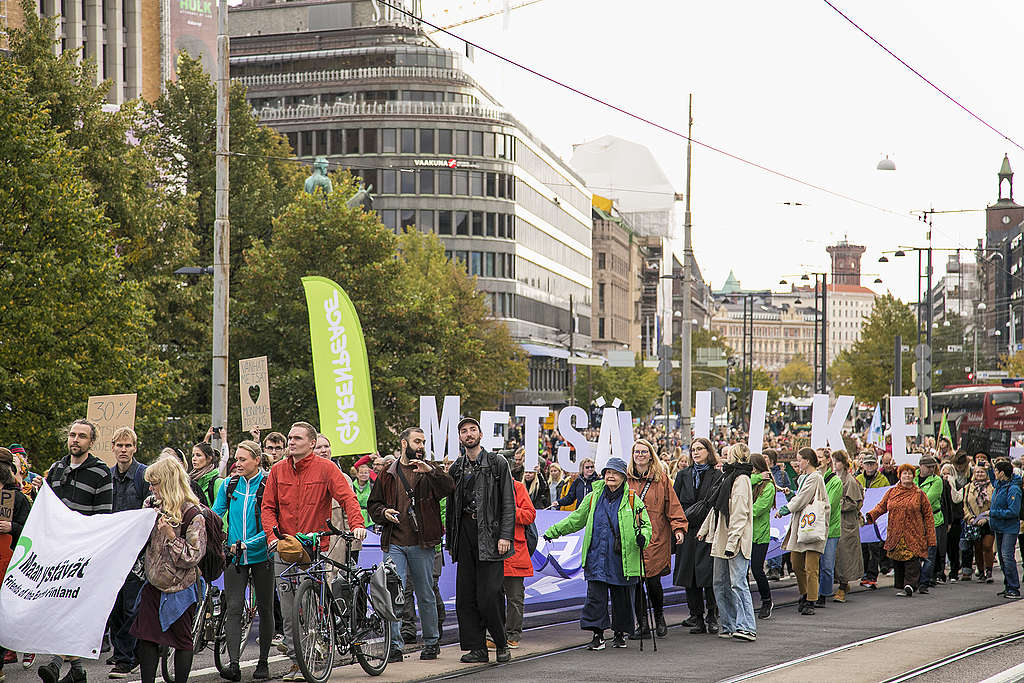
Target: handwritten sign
(6, 505)
(109, 413)
(254, 386)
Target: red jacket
(520, 564)
(297, 498)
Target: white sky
(790, 85)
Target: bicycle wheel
(313, 633)
(220, 645)
(372, 641)
(167, 653)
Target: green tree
(796, 376)
(950, 366)
(840, 374)
(870, 361)
(703, 377)
(636, 386)
(426, 328)
(762, 381)
(75, 324)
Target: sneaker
(513, 644)
(27, 659)
(282, 647)
(909, 591)
(408, 638)
(50, 673)
(396, 656)
(430, 651)
(689, 622)
(725, 634)
(766, 609)
(475, 657)
(490, 644)
(923, 590)
(774, 575)
(820, 602)
(111, 661)
(502, 656)
(278, 639)
(122, 669)
(597, 643)
(901, 594)
(619, 640)
(988, 576)
(232, 673)
(953, 579)
(807, 609)
(294, 674)
(699, 627)
(745, 635)
(1012, 595)
(262, 671)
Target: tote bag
(812, 527)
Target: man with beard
(481, 517)
(82, 482)
(406, 502)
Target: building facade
(367, 89)
(618, 267)
(780, 333)
(998, 269)
(122, 36)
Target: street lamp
(193, 270)
(886, 164)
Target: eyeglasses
(588, 467)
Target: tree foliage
(636, 386)
(796, 377)
(870, 363)
(425, 325)
(74, 324)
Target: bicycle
(335, 615)
(220, 646)
(204, 627)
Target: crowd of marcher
(702, 515)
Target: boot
(690, 621)
(643, 630)
(660, 627)
(712, 621)
(699, 626)
(840, 595)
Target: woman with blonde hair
(580, 487)
(557, 480)
(649, 482)
(176, 545)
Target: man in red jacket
(297, 499)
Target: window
(426, 182)
(499, 265)
(600, 260)
(321, 141)
(463, 258)
(1006, 398)
(370, 141)
(444, 142)
(499, 146)
(476, 263)
(461, 222)
(489, 264)
(371, 177)
(388, 182)
(307, 143)
(492, 190)
(426, 222)
(408, 180)
(408, 218)
(444, 222)
(600, 328)
(408, 141)
(389, 142)
(426, 141)
(489, 145)
(462, 183)
(462, 142)
(337, 141)
(476, 143)
(388, 218)
(600, 295)
(501, 225)
(476, 184)
(444, 182)
(478, 224)
(352, 141)
(490, 225)
(502, 179)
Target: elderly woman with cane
(618, 528)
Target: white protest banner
(901, 429)
(108, 413)
(64, 576)
(441, 432)
(826, 428)
(758, 410)
(531, 431)
(254, 387)
(489, 419)
(702, 416)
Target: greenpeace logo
(348, 418)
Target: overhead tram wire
(642, 119)
(925, 78)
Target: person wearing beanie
(618, 529)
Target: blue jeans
(1007, 546)
(827, 569)
(417, 564)
(930, 566)
(732, 592)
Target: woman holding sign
(167, 602)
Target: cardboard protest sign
(108, 413)
(254, 386)
(6, 505)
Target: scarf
(732, 471)
(698, 472)
(196, 475)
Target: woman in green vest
(617, 530)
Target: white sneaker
(294, 674)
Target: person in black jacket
(481, 517)
(696, 487)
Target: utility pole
(687, 329)
(221, 237)
(571, 369)
(824, 333)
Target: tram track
(956, 657)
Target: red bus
(986, 406)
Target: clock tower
(845, 263)
(1002, 219)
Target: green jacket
(879, 482)
(834, 488)
(583, 516)
(204, 483)
(363, 495)
(763, 508)
(932, 487)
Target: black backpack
(230, 490)
(212, 563)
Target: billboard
(189, 26)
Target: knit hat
(869, 458)
(617, 464)
(928, 460)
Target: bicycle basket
(386, 593)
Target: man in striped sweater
(83, 483)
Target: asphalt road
(786, 636)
